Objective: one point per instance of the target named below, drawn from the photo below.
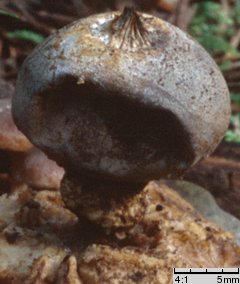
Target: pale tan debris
(68, 272)
(36, 169)
(46, 208)
(10, 137)
(169, 233)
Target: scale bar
(206, 272)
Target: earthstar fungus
(121, 98)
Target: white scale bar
(206, 275)
(206, 270)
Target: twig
(226, 9)
(183, 14)
(235, 39)
(58, 18)
(44, 28)
(81, 8)
(234, 65)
